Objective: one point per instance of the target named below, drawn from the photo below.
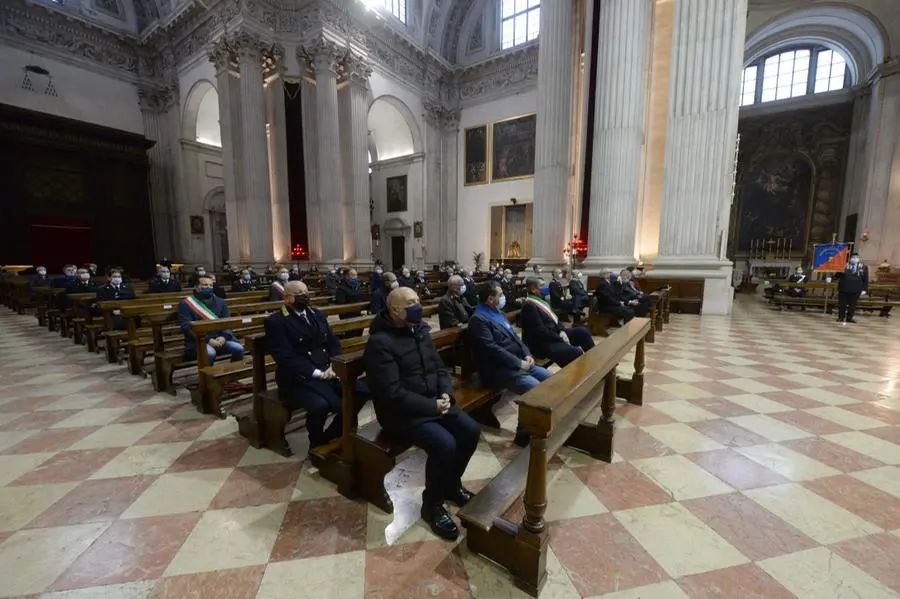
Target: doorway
(219, 226)
(398, 252)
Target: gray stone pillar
(441, 182)
(311, 161)
(278, 156)
(552, 161)
(355, 112)
(622, 71)
(156, 105)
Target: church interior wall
(202, 175)
(413, 168)
(81, 94)
(475, 201)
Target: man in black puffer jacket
(414, 402)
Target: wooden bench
(553, 413)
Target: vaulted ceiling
(442, 24)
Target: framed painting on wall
(476, 153)
(396, 194)
(513, 148)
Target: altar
(763, 268)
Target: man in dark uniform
(68, 277)
(379, 294)
(295, 274)
(852, 283)
(471, 293)
(376, 278)
(243, 282)
(301, 341)
(454, 310)
(115, 289)
(405, 279)
(580, 296)
(205, 305)
(633, 297)
(199, 273)
(41, 278)
(81, 284)
(607, 300)
(276, 289)
(163, 282)
(558, 294)
(349, 292)
(332, 280)
(542, 332)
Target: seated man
(205, 305)
(454, 310)
(542, 332)
(471, 293)
(633, 297)
(91, 268)
(558, 293)
(41, 278)
(797, 276)
(218, 290)
(405, 279)
(116, 290)
(504, 362)
(295, 274)
(607, 300)
(243, 283)
(580, 296)
(414, 401)
(68, 277)
(276, 289)
(376, 278)
(303, 344)
(332, 280)
(199, 272)
(349, 291)
(163, 282)
(380, 293)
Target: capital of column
(322, 55)
(157, 98)
(273, 61)
(356, 69)
(247, 46)
(221, 54)
(441, 116)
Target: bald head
(398, 301)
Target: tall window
(395, 7)
(794, 73)
(520, 22)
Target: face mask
(414, 314)
(42, 272)
(116, 280)
(394, 285)
(164, 276)
(502, 303)
(378, 271)
(405, 273)
(85, 276)
(854, 260)
(246, 278)
(206, 293)
(353, 280)
(545, 290)
(201, 273)
(283, 276)
(612, 276)
(462, 290)
(301, 302)
(332, 271)
(70, 275)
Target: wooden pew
(599, 324)
(823, 296)
(553, 414)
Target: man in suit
(377, 277)
(295, 274)
(301, 341)
(41, 278)
(243, 283)
(199, 272)
(405, 279)
(471, 293)
(68, 277)
(349, 291)
(558, 293)
(853, 283)
(332, 280)
(503, 360)
(163, 282)
(454, 310)
(276, 289)
(580, 296)
(205, 305)
(380, 293)
(115, 289)
(607, 300)
(414, 401)
(542, 332)
(633, 297)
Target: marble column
(278, 156)
(355, 112)
(879, 209)
(254, 154)
(619, 115)
(707, 57)
(325, 56)
(228, 90)
(450, 173)
(441, 182)
(310, 164)
(155, 106)
(552, 161)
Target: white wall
(413, 168)
(82, 95)
(475, 201)
(202, 174)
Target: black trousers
(643, 307)
(847, 305)
(623, 313)
(320, 398)
(449, 443)
(562, 353)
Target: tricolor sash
(543, 306)
(278, 286)
(199, 308)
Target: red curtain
(55, 242)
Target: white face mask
(201, 273)
(394, 285)
(405, 273)
(42, 272)
(85, 276)
(854, 260)
(283, 276)
(164, 276)
(378, 271)
(116, 280)
(462, 290)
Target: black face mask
(301, 302)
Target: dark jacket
(219, 291)
(605, 296)
(376, 280)
(453, 311)
(186, 315)
(157, 285)
(109, 292)
(497, 351)
(240, 286)
(406, 281)
(76, 286)
(576, 288)
(557, 293)
(39, 281)
(405, 374)
(379, 300)
(348, 293)
(276, 291)
(64, 281)
(850, 282)
(300, 346)
(471, 291)
(539, 330)
(331, 283)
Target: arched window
(794, 73)
(520, 22)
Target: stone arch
(387, 115)
(853, 31)
(200, 121)
(214, 201)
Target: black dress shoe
(851, 320)
(440, 522)
(522, 438)
(461, 497)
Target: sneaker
(461, 497)
(440, 522)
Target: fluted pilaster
(311, 161)
(621, 71)
(154, 104)
(254, 155)
(707, 56)
(324, 58)
(441, 183)
(552, 161)
(278, 171)
(357, 221)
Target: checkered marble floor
(764, 464)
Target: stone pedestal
(622, 70)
